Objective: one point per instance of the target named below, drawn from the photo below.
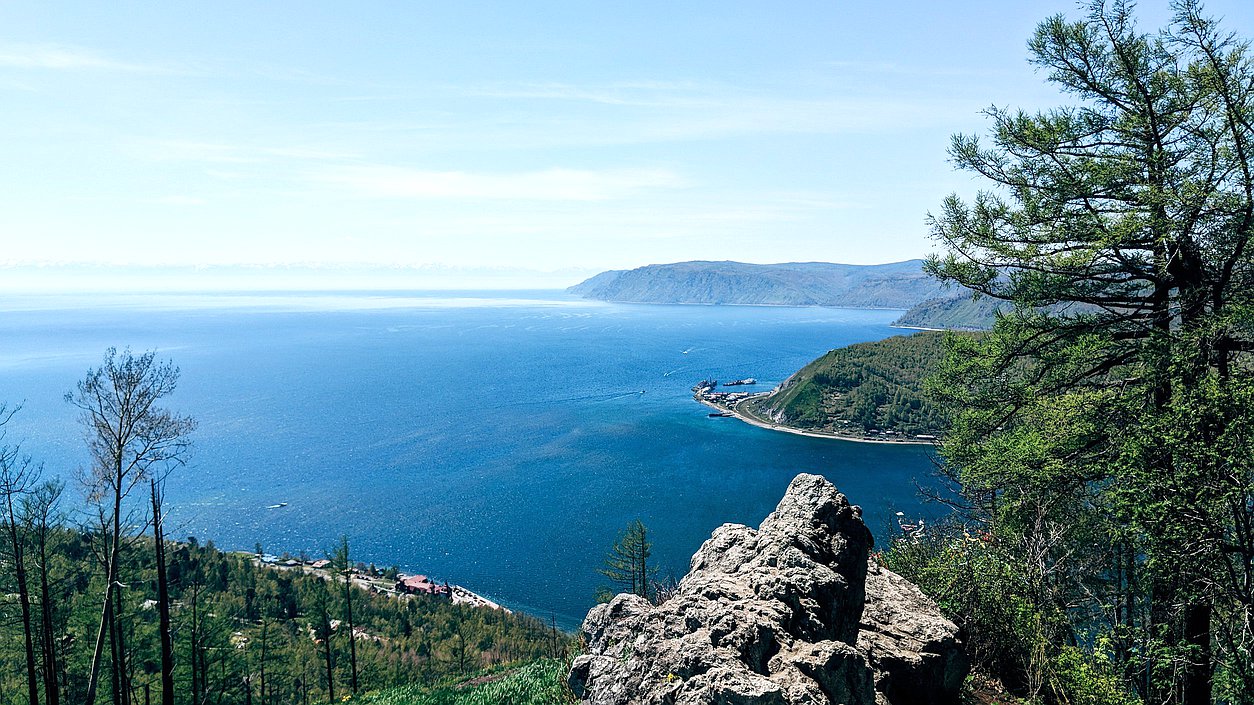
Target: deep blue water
(500, 441)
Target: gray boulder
(775, 616)
(915, 652)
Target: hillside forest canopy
(101, 606)
(863, 388)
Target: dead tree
(129, 437)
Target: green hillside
(542, 682)
(953, 312)
(869, 386)
(262, 633)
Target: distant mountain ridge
(894, 285)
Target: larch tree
(627, 563)
(343, 564)
(1109, 415)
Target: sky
(506, 138)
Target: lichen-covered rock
(771, 617)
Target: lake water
(496, 440)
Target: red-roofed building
(422, 585)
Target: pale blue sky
(572, 136)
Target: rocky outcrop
(789, 613)
(914, 651)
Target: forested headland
(865, 389)
(952, 312)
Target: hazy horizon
(497, 140)
(57, 278)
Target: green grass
(541, 682)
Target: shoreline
(755, 421)
(458, 594)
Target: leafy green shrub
(975, 584)
(983, 589)
(1086, 680)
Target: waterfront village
(706, 391)
(383, 581)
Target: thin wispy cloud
(627, 93)
(889, 67)
(227, 153)
(176, 200)
(547, 185)
(658, 111)
(679, 119)
(64, 57)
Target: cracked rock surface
(788, 613)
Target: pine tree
(1109, 413)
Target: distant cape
(896, 285)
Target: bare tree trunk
(553, 635)
(326, 650)
(195, 645)
(324, 630)
(163, 598)
(124, 671)
(19, 561)
(461, 649)
(52, 695)
(106, 610)
(262, 666)
(116, 667)
(352, 640)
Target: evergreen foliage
(855, 389)
(627, 563)
(244, 632)
(1103, 431)
(542, 682)
(1009, 630)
